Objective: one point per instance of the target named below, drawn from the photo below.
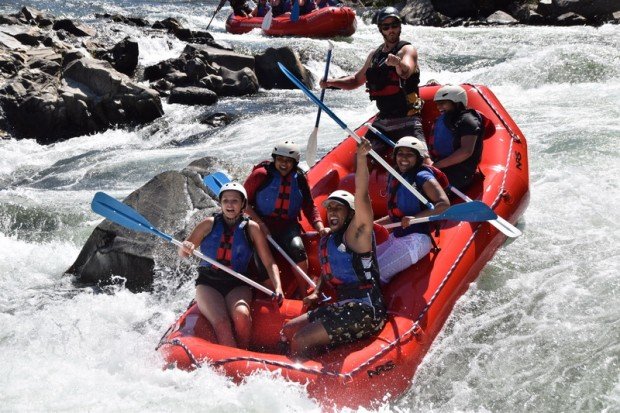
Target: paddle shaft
(219, 6)
(354, 135)
(327, 62)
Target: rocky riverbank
(59, 78)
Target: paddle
(340, 123)
(474, 211)
(214, 182)
(108, 207)
(312, 141)
(500, 223)
(266, 25)
(295, 11)
(219, 6)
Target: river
(538, 331)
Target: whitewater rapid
(538, 331)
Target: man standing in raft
(392, 76)
(349, 263)
(230, 238)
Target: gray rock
(571, 19)
(192, 95)
(420, 12)
(586, 8)
(500, 17)
(238, 82)
(76, 29)
(269, 74)
(165, 200)
(214, 55)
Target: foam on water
(538, 331)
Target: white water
(538, 331)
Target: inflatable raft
(325, 22)
(419, 299)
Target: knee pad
(296, 250)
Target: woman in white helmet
(407, 244)
(348, 263)
(277, 194)
(456, 143)
(231, 239)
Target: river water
(538, 331)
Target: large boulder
(269, 74)
(238, 82)
(589, 9)
(114, 251)
(420, 13)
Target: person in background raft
(456, 143)
(261, 8)
(277, 193)
(230, 238)
(348, 262)
(328, 3)
(392, 76)
(408, 244)
(280, 7)
(242, 8)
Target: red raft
(325, 22)
(419, 299)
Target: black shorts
(219, 280)
(411, 126)
(349, 322)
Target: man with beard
(392, 76)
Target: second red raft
(325, 22)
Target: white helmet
(413, 143)
(288, 149)
(450, 92)
(343, 197)
(233, 186)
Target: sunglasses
(388, 26)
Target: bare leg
(238, 303)
(292, 326)
(212, 305)
(309, 337)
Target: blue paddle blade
(295, 11)
(124, 215)
(475, 211)
(215, 181)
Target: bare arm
(405, 61)
(468, 144)
(359, 233)
(260, 243)
(349, 82)
(437, 196)
(195, 238)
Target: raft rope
(415, 328)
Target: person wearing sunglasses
(392, 76)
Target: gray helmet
(288, 149)
(384, 13)
(233, 186)
(453, 93)
(413, 143)
(341, 196)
